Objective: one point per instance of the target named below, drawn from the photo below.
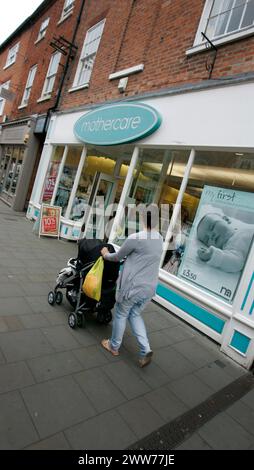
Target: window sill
(22, 106)
(63, 18)
(39, 40)
(43, 98)
(126, 72)
(77, 88)
(9, 65)
(200, 47)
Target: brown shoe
(106, 345)
(145, 360)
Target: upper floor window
(68, 7)
(43, 29)
(29, 84)
(12, 54)
(5, 85)
(228, 16)
(51, 75)
(225, 20)
(88, 54)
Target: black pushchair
(72, 277)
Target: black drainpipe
(66, 66)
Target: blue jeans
(130, 309)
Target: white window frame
(67, 8)
(50, 77)
(3, 100)
(87, 55)
(43, 30)
(28, 87)
(12, 55)
(199, 42)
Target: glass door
(102, 195)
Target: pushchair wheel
(72, 320)
(51, 298)
(59, 297)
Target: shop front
(18, 151)
(198, 168)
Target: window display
(217, 223)
(52, 173)
(156, 179)
(67, 178)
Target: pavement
(60, 390)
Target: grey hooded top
(139, 275)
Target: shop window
(99, 190)
(10, 170)
(43, 30)
(211, 245)
(88, 54)
(156, 179)
(12, 55)
(51, 75)
(67, 178)
(29, 85)
(52, 173)
(224, 20)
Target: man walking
(136, 284)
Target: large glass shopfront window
(10, 170)
(99, 190)
(52, 174)
(156, 179)
(211, 247)
(67, 177)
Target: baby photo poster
(219, 241)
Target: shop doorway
(103, 193)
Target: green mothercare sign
(117, 124)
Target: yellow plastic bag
(93, 281)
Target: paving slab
(195, 353)
(106, 431)
(195, 442)
(103, 393)
(54, 365)
(166, 403)
(56, 442)
(14, 376)
(35, 320)
(224, 433)
(20, 345)
(126, 380)
(140, 416)
(173, 363)
(60, 337)
(191, 390)
(16, 428)
(56, 405)
(214, 376)
(243, 414)
(14, 306)
(91, 356)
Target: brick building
(155, 107)
(31, 69)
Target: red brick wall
(156, 33)
(31, 53)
